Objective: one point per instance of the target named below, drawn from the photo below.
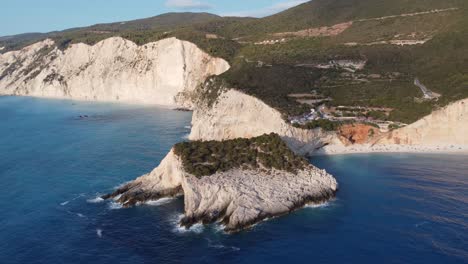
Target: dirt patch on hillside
(317, 32)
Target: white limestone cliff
(237, 198)
(238, 115)
(114, 69)
(443, 127)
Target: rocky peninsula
(235, 182)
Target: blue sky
(20, 16)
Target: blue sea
(396, 208)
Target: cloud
(270, 10)
(187, 4)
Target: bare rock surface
(236, 198)
(238, 115)
(160, 73)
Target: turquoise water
(390, 208)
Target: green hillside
(329, 12)
(300, 50)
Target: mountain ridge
(396, 50)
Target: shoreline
(329, 150)
(395, 149)
(135, 103)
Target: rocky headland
(236, 182)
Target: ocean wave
(221, 246)
(99, 232)
(95, 200)
(186, 136)
(121, 185)
(159, 202)
(188, 127)
(196, 229)
(115, 206)
(74, 199)
(321, 205)
(78, 196)
(421, 224)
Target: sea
(57, 157)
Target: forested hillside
(365, 53)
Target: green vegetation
(268, 151)
(377, 115)
(272, 72)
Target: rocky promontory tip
(237, 183)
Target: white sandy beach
(367, 148)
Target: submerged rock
(238, 198)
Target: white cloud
(187, 4)
(270, 10)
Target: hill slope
(364, 53)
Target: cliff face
(115, 69)
(446, 126)
(237, 115)
(237, 198)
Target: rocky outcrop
(237, 198)
(164, 181)
(163, 73)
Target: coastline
(135, 103)
(408, 149)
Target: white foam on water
(197, 228)
(188, 127)
(186, 136)
(78, 196)
(95, 200)
(114, 206)
(219, 228)
(159, 202)
(81, 215)
(221, 246)
(421, 224)
(121, 185)
(64, 203)
(322, 205)
(99, 233)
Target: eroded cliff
(237, 198)
(238, 115)
(446, 126)
(163, 73)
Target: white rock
(237, 197)
(237, 115)
(115, 69)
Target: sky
(21, 16)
